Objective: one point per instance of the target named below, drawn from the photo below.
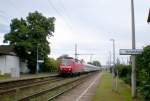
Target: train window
(66, 61)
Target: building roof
(7, 50)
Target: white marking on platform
(85, 91)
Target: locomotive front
(66, 66)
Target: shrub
(143, 73)
(50, 65)
(124, 72)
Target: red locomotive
(71, 66)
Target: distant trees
(95, 63)
(28, 34)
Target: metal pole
(113, 53)
(109, 59)
(91, 57)
(75, 51)
(113, 68)
(133, 77)
(37, 65)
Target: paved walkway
(83, 92)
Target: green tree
(89, 63)
(143, 72)
(124, 72)
(50, 65)
(26, 35)
(96, 63)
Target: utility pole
(114, 85)
(91, 57)
(109, 59)
(76, 54)
(133, 77)
(114, 53)
(148, 20)
(76, 51)
(37, 58)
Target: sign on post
(130, 51)
(40, 61)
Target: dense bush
(50, 65)
(124, 72)
(143, 73)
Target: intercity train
(71, 66)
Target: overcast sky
(89, 23)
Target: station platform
(26, 76)
(106, 92)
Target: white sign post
(130, 51)
(40, 61)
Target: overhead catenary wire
(66, 12)
(60, 14)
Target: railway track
(24, 82)
(42, 91)
(12, 90)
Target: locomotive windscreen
(66, 61)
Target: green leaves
(29, 34)
(124, 72)
(95, 63)
(50, 65)
(143, 72)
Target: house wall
(23, 67)
(12, 62)
(13, 66)
(9, 63)
(2, 64)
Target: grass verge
(104, 90)
(3, 77)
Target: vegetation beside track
(104, 90)
(3, 77)
(142, 71)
